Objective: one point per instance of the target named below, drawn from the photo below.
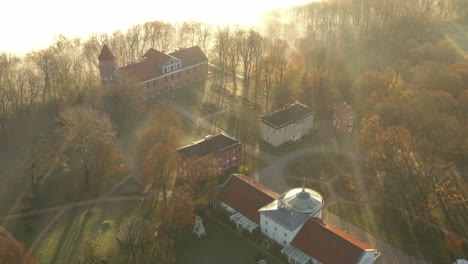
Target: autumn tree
(250, 43)
(44, 61)
(43, 161)
(199, 178)
(14, 252)
(162, 126)
(89, 134)
(179, 214)
(160, 168)
(390, 151)
(8, 64)
(453, 243)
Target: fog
(23, 29)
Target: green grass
(27, 235)
(220, 245)
(346, 141)
(388, 224)
(319, 166)
(66, 240)
(189, 98)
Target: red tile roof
(150, 67)
(147, 69)
(106, 54)
(328, 244)
(207, 146)
(287, 115)
(246, 196)
(190, 56)
(343, 111)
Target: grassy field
(66, 241)
(26, 229)
(220, 245)
(416, 238)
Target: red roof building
(157, 72)
(291, 220)
(246, 196)
(224, 150)
(343, 119)
(330, 244)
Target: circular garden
(319, 168)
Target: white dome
(302, 200)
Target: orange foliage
(13, 252)
(453, 243)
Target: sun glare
(42, 20)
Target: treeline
(408, 84)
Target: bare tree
(87, 131)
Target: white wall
(268, 228)
(291, 132)
(367, 257)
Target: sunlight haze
(42, 20)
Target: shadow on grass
(400, 230)
(66, 241)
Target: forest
(402, 65)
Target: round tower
(107, 65)
(302, 200)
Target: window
(173, 67)
(275, 228)
(266, 222)
(165, 78)
(266, 230)
(285, 234)
(172, 77)
(284, 242)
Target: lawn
(66, 241)
(190, 98)
(220, 245)
(26, 229)
(388, 224)
(319, 166)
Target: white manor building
(292, 220)
(290, 123)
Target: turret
(107, 65)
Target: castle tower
(107, 65)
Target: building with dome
(292, 220)
(282, 219)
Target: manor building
(290, 123)
(291, 220)
(344, 118)
(157, 72)
(223, 151)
